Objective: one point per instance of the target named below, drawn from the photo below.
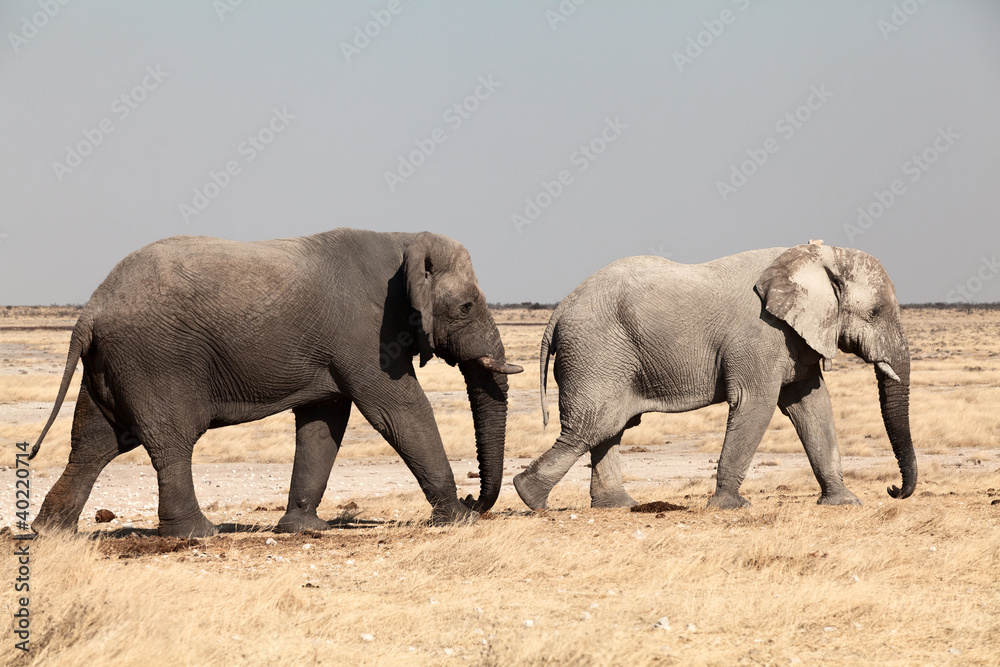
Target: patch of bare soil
(135, 546)
(658, 506)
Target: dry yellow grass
(898, 583)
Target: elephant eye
(466, 308)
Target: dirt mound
(104, 516)
(658, 506)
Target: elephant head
(842, 299)
(454, 323)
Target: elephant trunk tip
(901, 493)
(499, 366)
(483, 504)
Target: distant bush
(962, 307)
(68, 310)
(524, 305)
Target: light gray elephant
(192, 333)
(645, 334)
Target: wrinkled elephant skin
(192, 333)
(646, 334)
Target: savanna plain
(782, 582)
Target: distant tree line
(961, 306)
(524, 305)
(55, 310)
(74, 309)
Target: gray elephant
(192, 333)
(645, 334)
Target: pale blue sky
(672, 132)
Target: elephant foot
(728, 501)
(48, 522)
(532, 493)
(612, 499)
(300, 521)
(197, 526)
(452, 513)
(842, 497)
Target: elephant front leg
(746, 425)
(607, 489)
(319, 432)
(406, 421)
(807, 404)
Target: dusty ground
(129, 490)
(785, 582)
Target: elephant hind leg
(534, 484)
(607, 489)
(598, 426)
(179, 514)
(94, 443)
(319, 432)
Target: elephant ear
(419, 268)
(798, 289)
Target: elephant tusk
(887, 370)
(498, 367)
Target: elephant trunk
(894, 398)
(488, 399)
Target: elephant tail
(549, 343)
(78, 345)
